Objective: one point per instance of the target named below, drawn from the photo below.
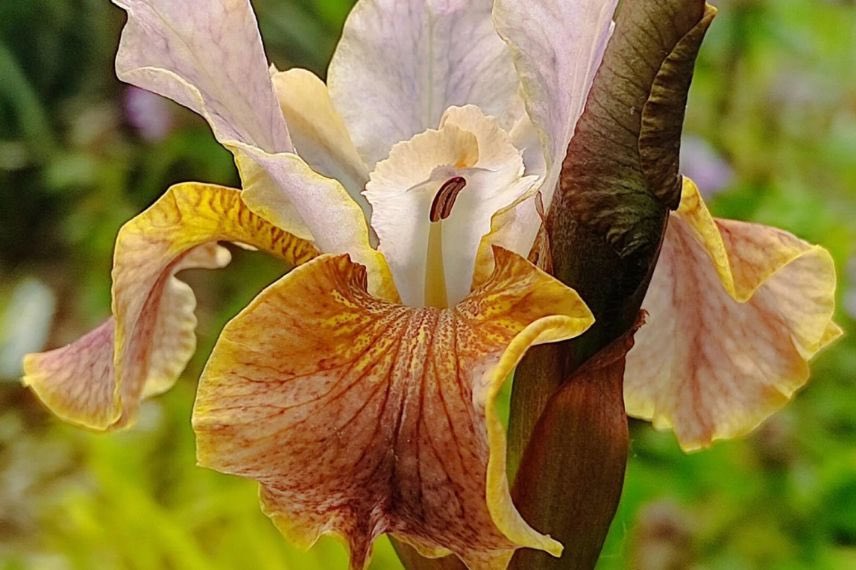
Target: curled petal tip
(76, 382)
(99, 380)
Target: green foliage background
(775, 96)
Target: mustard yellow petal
(361, 417)
(99, 380)
(736, 311)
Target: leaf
(604, 231)
(620, 176)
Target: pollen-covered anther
(441, 207)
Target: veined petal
(206, 55)
(319, 133)
(99, 380)
(337, 222)
(402, 188)
(401, 63)
(361, 417)
(557, 47)
(735, 312)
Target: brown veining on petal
(736, 311)
(362, 417)
(99, 380)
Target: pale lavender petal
(402, 63)
(557, 47)
(206, 55)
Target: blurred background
(771, 137)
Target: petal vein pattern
(99, 380)
(361, 417)
(401, 63)
(208, 56)
(736, 310)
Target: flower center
(435, 273)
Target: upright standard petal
(206, 55)
(468, 147)
(401, 63)
(99, 380)
(735, 312)
(360, 417)
(557, 47)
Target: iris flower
(359, 390)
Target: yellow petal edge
(361, 417)
(736, 311)
(98, 381)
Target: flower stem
(574, 470)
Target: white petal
(557, 47)
(486, 194)
(524, 135)
(401, 63)
(337, 222)
(515, 227)
(206, 55)
(403, 187)
(319, 133)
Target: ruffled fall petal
(361, 417)
(736, 311)
(99, 380)
(402, 188)
(401, 63)
(319, 133)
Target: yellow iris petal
(319, 133)
(99, 380)
(361, 417)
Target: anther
(441, 207)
